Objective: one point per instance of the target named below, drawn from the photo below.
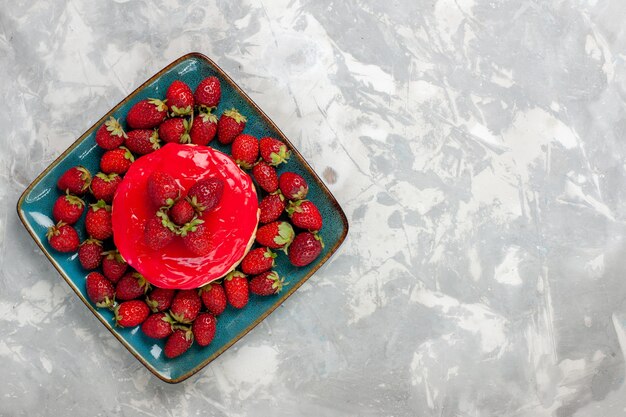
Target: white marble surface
(477, 147)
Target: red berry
(179, 98)
(113, 265)
(230, 125)
(271, 207)
(163, 189)
(258, 260)
(206, 194)
(208, 92)
(158, 326)
(98, 221)
(275, 235)
(146, 114)
(160, 299)
(306, 246)
(203, 329)
(182, 212)
(273, 151)
(75, 180)
(245, 150)
(213, 298)
(103, 186)
(116, 161)
(158, 231)
(178, 343)
(203, 128)
(197, 237)
(143, 141)
(132, 285)
(100, 290)
(131, 313)
(110, 135)
(268, 283)
(185, 306)
(293, 186)
(68, 209)
(63, 237)
(236, 287)
(90, 254)
(175, 130)
(265, 175)
(305, 215)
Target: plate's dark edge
(278, 302)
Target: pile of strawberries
(288, 222)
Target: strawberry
(179, 98)
(116, 161)
(131, 313)
(110, 135)
(258, 260)
(175, 130)
(178, 343)
(90, 254)
(293, 186)
(271, 207)
(230, 125)
(203, 128)
(146, 114)
(273, 151)
(275, 235)
(143, 141)
(63, 237)
(265, 175)
(132, 285)
(206, 194)
(100, 290)
(185, 306)
(68, 209)
(159, 231)
(113, 265)
(245, 150)
(268, 283)
(75, 180)
(197, 237)
(158, 326)
(305, 215)
(208, 92)
(182, 212)
(160, 299)
(306, 246)
(236, 287)
(203, 329)
(162, 189)
(213, 298)
(103, 186)
(98, 221)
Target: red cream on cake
(233, 222)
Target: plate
(35, 211)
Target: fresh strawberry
(75, 180)
(273, 151)
(208, 92)
(63, 237)
(236, 287)
(203, 128)
(258, 260)
(245, 150)
(213, 297)
(159, 231)
(178, 343)
(179, 98)
(175, 130)
(265, 175)
(132, 285)
(182, 212)
(68, 209)
(90, 254)
(116, 161)
(110, 135)
(103, 186)
(162, 189)
(271, 207)
(131, 313)
(230, 125)
(197, 237)
(305, 215)
(203, 329)
(185, 306)
(206, 194)
(306, 246)
(158, 326)
(293, 186)
(113, 265)
(100, 290)
(146, 114)
(268, 283)
(143, 141)
(275, 235)
(98, 221)
(160, 299)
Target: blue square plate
(35, 210)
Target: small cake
(232, 223)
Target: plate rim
(279, 301)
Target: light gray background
(477, 147)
